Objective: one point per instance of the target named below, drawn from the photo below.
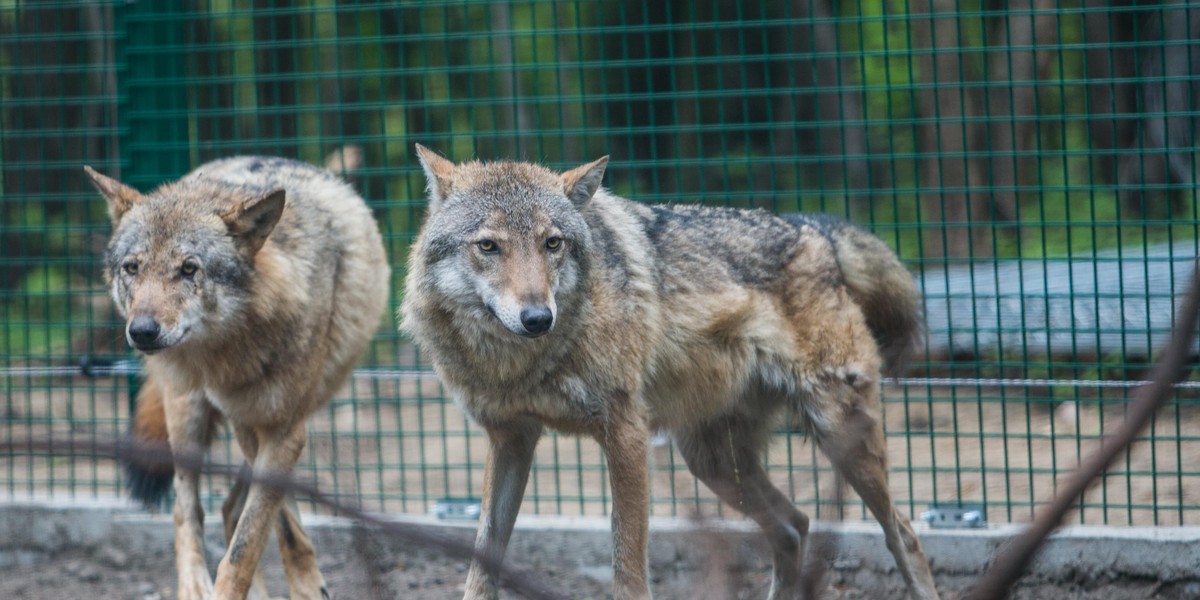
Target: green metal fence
(1032, 162)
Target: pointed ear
(581, 183)
(119, 196)
(437, 175)
(251, 221)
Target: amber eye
(554, 244)
(130, 268)
(189, 269)
(487, 246)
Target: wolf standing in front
(543, 301)
(252, 285)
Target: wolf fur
(252, 285)
(545, 301)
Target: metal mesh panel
(1032, 165)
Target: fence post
(156, 145)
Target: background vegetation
(958, 131)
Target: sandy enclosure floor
(394, 444)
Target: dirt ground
(369, 571)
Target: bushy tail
(149, 485)
(879, 284)
(885, 291)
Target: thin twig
(152, 455)
(1016, 555)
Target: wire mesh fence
(1031, 162)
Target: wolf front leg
(510, 456)
(189, 423)
(295, 548)
(278, 451)
(626, 440)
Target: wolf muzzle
(142, 334)
(537, 320)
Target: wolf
(545, 301)
(252, 286)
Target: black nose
(537, 319)
(143, 331)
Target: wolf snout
(143, 334)
(537, 320)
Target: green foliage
(721, 102)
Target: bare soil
(370, 571)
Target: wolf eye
(188, 269)
(130, 268)
(487, 246)
(554, 244)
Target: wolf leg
(853, 441)
(189, 420)
(231, 511)
(299, 557)
(510, 456)
(625, 443)
(278, 451)
(726, 455)
(235, 501)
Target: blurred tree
(59, 112)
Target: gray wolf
(252, 285)
(545, 301)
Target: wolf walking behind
(545, 301)
(252, 286)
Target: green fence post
(155, 145)
(154, 138)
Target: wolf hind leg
(853, 440)
(726, 455)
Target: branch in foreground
(160, 456)
(1015, 557)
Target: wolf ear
(119, 196)
(251, 221)
(581, 183)
(437, 175)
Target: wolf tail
(879, 284)
(886, 293)
(149, 484)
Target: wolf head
(506, 240)
(179, 259)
